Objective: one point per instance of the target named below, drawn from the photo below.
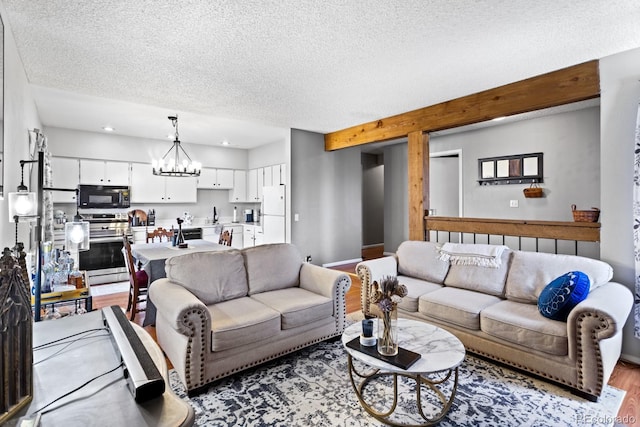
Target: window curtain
(636, 225)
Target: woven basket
(533, 192)
(585, 216)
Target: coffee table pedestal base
(364, 379)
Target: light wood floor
(625, 376)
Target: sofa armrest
(179, 307)
(594, 328)
(371, 271)
(330, 283)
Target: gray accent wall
(396, 192)
(326, 193)
(570, 143)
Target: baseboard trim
(374, 245)
(388, 253)
(346, 261)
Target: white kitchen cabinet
(100, 172)
(149, 188)
(252, 185)
(65, 174)
(239, 191)
(252, 235)
(255, 182)
(268, 177)
(280, 174)
(216, 179)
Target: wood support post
(418, 159)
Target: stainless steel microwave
(104, 196)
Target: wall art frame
(514, 169)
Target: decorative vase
(388, 332)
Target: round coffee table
(440, 353)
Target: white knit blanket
(472, 254)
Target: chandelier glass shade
(176, 161)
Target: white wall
(105, 146)
(620, 94)
(20, 115)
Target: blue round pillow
(560, 296)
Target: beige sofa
(221, 312)
(494, 311)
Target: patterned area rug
(311, 388)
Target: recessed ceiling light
(108, 128)
(225, 142)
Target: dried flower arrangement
(386, 295)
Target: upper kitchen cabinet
(65, 174)
(278, 174)
(239, 191)
(100, 172)
(216, 179)
(149, 188)
(255, 182)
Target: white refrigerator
(273, 214)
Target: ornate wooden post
(16, 324)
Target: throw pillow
(560, 296)
(142, 278)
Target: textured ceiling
(256, 67)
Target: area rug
(311, 388)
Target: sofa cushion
(421, 260)
(481, 279)
(415, 289)
(560, 296)
(297, 306)
(272, 267)
(241, 321)
(457, 306)
(211, 276)
(523, 325)
(530, 272)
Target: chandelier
(176, 161)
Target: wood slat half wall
(558, 230)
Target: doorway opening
(445, 183)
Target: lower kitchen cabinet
(252, 235)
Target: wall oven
(104, 197)
(104, 261)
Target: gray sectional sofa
(221, 312)
(494, 311)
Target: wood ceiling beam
(577, 83)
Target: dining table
(152, 256)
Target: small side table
(75, 296)
(441, 352)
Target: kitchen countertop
(167, 223)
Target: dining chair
(159, 233)
(225, 238)
(138, 281)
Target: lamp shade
(22, 203)
(76, 235)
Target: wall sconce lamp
(28, 205)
